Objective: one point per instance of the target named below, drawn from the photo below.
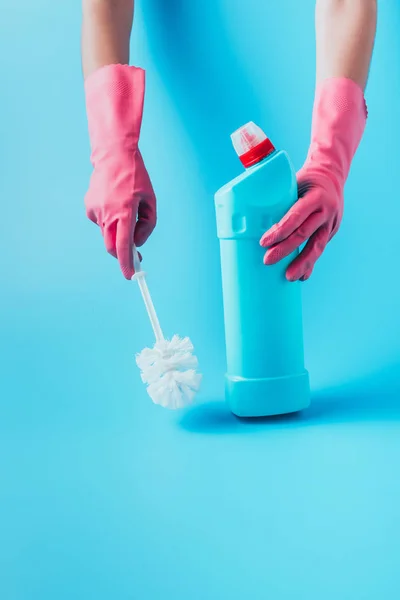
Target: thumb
(147, 219)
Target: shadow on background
(212, 92)
(375, 398)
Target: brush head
(169, 370)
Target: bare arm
(106, 31)
(345, 34)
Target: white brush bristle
(169, 370)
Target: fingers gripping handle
(140, 277)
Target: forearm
(345, 34)
(106, 31)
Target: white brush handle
(140, 276)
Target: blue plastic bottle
(263, 313)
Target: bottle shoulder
(276, 165)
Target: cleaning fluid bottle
(263, 313)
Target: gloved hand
(339, 119)
(120, 198)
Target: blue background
(102, 494)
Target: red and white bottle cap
(251, 144)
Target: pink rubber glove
(120, 198)
(339, 119)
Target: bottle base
(267, 397)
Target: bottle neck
(257, 154)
